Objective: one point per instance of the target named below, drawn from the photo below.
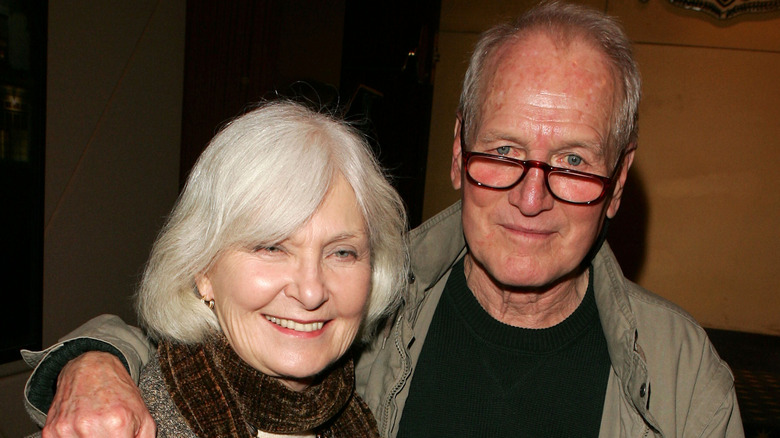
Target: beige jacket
(666, 378)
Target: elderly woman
(286, 245)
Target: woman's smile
(296, 326)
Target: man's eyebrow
(495, 136)
(492, 136)
(596, 147)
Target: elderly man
(519, 321)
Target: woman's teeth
(292, 325)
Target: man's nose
(531, 195)
(308, 286)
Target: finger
(148, 429)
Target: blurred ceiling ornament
(725, 9)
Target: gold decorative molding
(725, 9)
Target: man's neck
(533, 308)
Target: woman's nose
(308, 286)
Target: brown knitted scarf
(220, 395)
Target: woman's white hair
(259, 180)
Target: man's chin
(531, 278)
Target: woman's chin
(301, 376)
(296, 383)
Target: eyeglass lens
(500, 174)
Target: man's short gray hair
(563, 23)
(259, 180)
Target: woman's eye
(503, 150)
(345, 254)
(271, 249)
(573, 160)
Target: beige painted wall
(113, 127)
(706, 166)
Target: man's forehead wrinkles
(532, 119)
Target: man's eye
(503, 150)
(573, 160)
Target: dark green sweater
(477, 377)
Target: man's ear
(617, 189)
(456, 175)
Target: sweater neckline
(524, 340)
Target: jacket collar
(434, 246)
(621, 331)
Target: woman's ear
(205, 289)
